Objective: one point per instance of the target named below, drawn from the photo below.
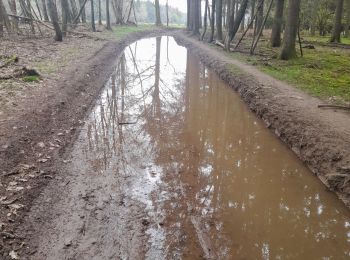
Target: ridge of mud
(51, 119)
(321, 139)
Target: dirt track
(321, 138)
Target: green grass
(120, 32)
(323, 72)
(31, 78)
(323, 39)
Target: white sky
(180, 4)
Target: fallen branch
(334, 106)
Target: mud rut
(141, 180)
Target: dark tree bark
(189, 20)
(337, 22)
(212, 22)
(219, 20)
(277, 24)
(290, 33)
(108, 18)
(196, 17)
(167, 13)
(54, 19)
(45, 14)
(157, 10)
(92, 16)
(83, 14)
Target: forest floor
(40, 114)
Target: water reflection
(217, 182)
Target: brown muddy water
(212, 180)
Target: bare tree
(219, 20)
(108, 16)
(45, 14)
(337, 22)
(4, 21)
(212, 21)
(290, 33)
(99, 13)
(54, 19)
(157, 10)
(92, 16)
(82, 8)
(277, 24)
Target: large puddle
(214, 181)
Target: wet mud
(171, 164)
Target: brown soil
(320, 137)
(38, 123)
(35, 137)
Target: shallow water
(215, 182)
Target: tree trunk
(219, 20)
(46, 16)
(64, 7)
(260, 17)
(205, 19)
(92, 16)
(337, 22)
(239, 16)
(252, 8)
(212, 22)
(277, 24)
(167, 13)
(157, 9)
(4, 20)
(290, 33)
(108, 18)
(189, 14)
(313, 21)
(83, 14)
(347, 22)
(99, 13)
(196, 16)
(54, 19)
(74, 8)
(13, 8)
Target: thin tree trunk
(92, 16)
(260, 17)
(13, 8)
(290, 33)
(252, 8)
(196, 17)
(99, 13)
(54, 19)
(82, 10)
(189, 14)
(39, 11)
(46, 16)
(219, 20)
(337, 22)
(212, 22)
(108, 18)
(313, 17)
(205, 19)
(157, 10)
(167, 13)
(64, 7)
(74, 8)
(277, 24)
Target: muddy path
(34, 141)
(114, 191)
(171, 164)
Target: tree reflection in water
(222, 186)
